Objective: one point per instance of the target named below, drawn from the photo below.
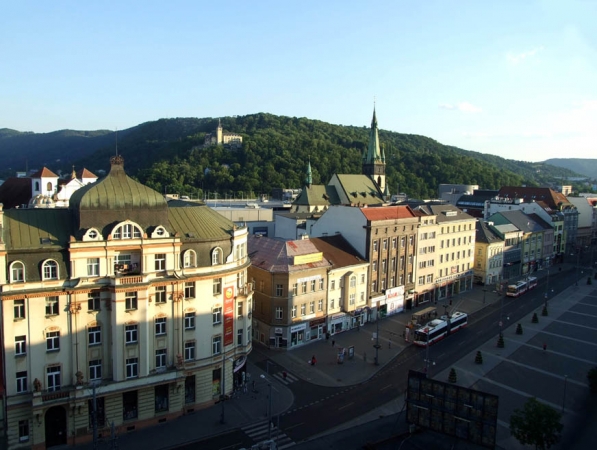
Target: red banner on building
(228, 315)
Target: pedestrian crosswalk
(259, 432)
(289, 378)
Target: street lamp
(269, 407)
(564, 399)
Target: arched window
(17, 272)
(127, 231)
(49, 186)
(49, 270)
(37, 186)
(216, 256)
(189, 259)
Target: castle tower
(374, 160)
(219, 133)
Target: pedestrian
(244, 388)
(327, 335)
(313, 360)
(390, 343)
(254, 386)
(284, 375)
(544, 346)
(333, 343)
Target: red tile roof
(84, 173)
(388, 213)
(44, 173)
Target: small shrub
(479, 357)
(519, 329)
(500, 342)
(452, 378)
(535, 319)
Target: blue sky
(514, 78)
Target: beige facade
(427, 254)
(153, 310)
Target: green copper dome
(116, 191)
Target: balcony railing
(137, 279)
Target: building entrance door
(55, 426)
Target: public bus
(438, 329)
(515, 290)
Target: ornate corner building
(123, 301)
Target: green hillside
(167, 155)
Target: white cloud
(462, 107)
(516, 58)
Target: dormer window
(17, 272)
(91, 235)
(49, 270)
(127, 231)
(159, 232)
(189, 259)
(216, 256)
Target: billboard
(228, 315)
(453, 410)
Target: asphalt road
(318, 409)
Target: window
(384, 265)
(93, 301)
(189, 321)
(189, 259)
(332, 303)
(402, 242)
(127, 231)
(353, 281)
(129, 405)
(321, 280)
(161, 398)
(52, 306)
(394, 242)
(130, 300)
(351, 299)
(311, 307)
(374, 266)
(189, 389)
(216, 345)
(19, 309)
(160, 261)
(295, 289)
(130, 334)
(312, 285)
(53, 341)
(94, 335)
(385, 244)
(216, 315)
(160, 294)
(279, 290)
(17, 272)
(332, 285)
(160, 358)
(239, 337)
(189, 290)
(132, 367)
(23, 430)
(92, 267)
(293, 311)
(304, 287)
(216, 256)
(239, 309)
(374, 286)
(21, 382)
(122, 262)
(95, 369)
(53, 374)
(279, 312)
(50, 270)
(189, 351)
(20, 345)
(303, 309)
(362, 297)
(160, 326)
(375, 245)
(320, 305)
(217, 286)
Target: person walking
(313, 360)
(544, 346)
(333, 342)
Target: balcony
(135, 279)
(246, 290)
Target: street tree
(536, 424)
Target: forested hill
(167, 155)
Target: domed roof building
(142, 297)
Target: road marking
(345, 406)
(231, 446)
(385, 387)
(294, 426)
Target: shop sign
(316, 322)
(299, 327)
(278, 331)
(337, 317)
(228, 315)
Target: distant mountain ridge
(586, 167)
(168, 155)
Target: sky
(513, 78)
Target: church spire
(374, 160)
(309, 179)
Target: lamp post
(377, 339)
(564, 399)
(269, 408)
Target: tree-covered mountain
(168, 155)
(586, 167)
